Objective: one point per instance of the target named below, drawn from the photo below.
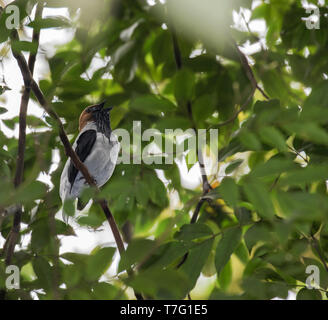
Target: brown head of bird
(97, 114)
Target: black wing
(84, 145)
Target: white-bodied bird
(97, 147)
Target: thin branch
(298, 154)
(11, 240)
(315, 245)
(197, 209)
(275, 182)
(30, 82)
(249, 72)
(251, 77)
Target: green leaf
(35, 190)
(324, 239)
(243, 215)
(227, 245)
(233, 166)
(305, 175)
(209, 269)
(242, 253)
(51, 22)
(225, 277)
(160, 284)
(273, 137)
(233, 147)
(92, 220)
(3, 89)
(40, 235)
(152, 105)
(76, 258)
(157, 190)
(142, 194)
(318, 96)
(259, 289)
(258, 232)
(31, 121)
(307, 294)
(19, 46)
(196, 261)
(203, 107)
(229, 191)
(273, 167)
(99, 262)
(261, 11)
(259, 197)
(275, 85)
(69, 207)
(173, 122)
(308, 131)
(184, 85)
(136, 252)
(302, 205)
(170, 252)
(63, 228)
(5, 32)
(190, 232)
(106, 291)
(249, 140)
(43, 271)
(11, 123)
(2, 110)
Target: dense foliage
(265, 219)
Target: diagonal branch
(316, 246)
(255, 86)
(11, 241)
(30, 82)
(249, 72)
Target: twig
(197, 209)
(249, 72)
(315, 245)
(251, 77)
(298, 154)
(30, 82)
(313, 242)
(275, 182)
(12, 237)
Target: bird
(97, 147)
